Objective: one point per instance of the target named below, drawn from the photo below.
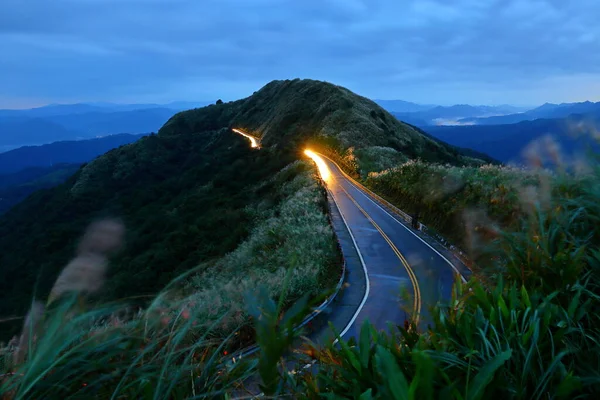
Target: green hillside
(17, 186)
(196, 198)
(288, 114)
(184, 199)
(191, 194)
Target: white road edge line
(362, 261)
(398, 222)
(367, 285)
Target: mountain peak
(288, 113)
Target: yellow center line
(413, 278)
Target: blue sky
(522, 52)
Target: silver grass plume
(86, 272)
(32, 319)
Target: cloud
(478, 51)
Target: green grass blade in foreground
(485, 375)
(395, 384)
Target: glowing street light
(321, 164)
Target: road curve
(405, 276)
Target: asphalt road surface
(405, 276)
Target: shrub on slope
(183, 199)
(447, 198)
(532, 332)
(187, 328)
(294, 237)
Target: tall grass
(179, 346)
(456, 200)
(92, 354)
(70, 349)
(378, 158)
(504, 343)
(532, 332)
(294, 237)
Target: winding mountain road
(399, 276)
(396, 260)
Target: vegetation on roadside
(450, 199)
(178, 345)
(457, 202)
(184, 194)
(294, 237)
(531, 331)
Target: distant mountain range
(70, 152)
(547, 110)
(28, 169)
(401, 106)
(575, 134)
(53, 110)
(452, 115)
(504, 131)
(425, 115)
(83, 121)
(464, 114)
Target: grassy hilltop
(192, 193)
(195, 199)
(288, 114)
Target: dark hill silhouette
(71, 152)
(506, 142)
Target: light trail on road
(253, 140)
(390, 253)
(327, 176)
(321, 165)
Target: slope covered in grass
(530, 331)
(186, 195)
(289, 114)
(294, 238)
(447, 198)
(185, 199)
